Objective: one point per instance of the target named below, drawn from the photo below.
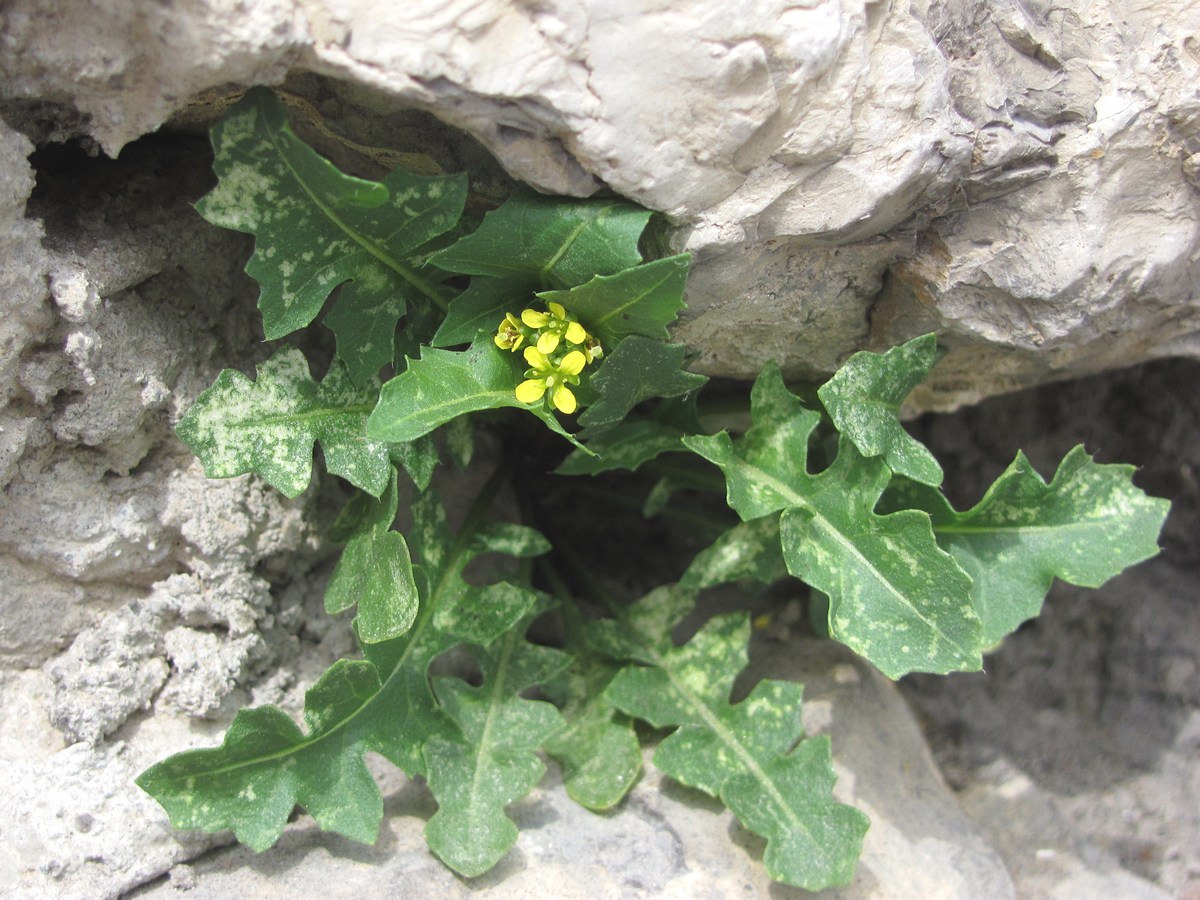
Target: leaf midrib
(798, 501)
(422, 285)
(1084, 524)
(458, 400)
(731, 740)
(499, 680)
(324, 412)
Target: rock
(135, 579)
(664, 840)
(1045, 854)
(1018, 178)
(108, 673)
(74, 828)
(24, 312)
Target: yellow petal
(502, 341)
(548, 342)
(536, 358)
(572, 363)
(564, 400)
(576, 333)
(534, 319)
(531, 391)
(558, 309)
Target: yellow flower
(545, 375)
(554, 326)
(510, 335)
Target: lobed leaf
(482, 307)
(629, 443)
(625, 447)
(863, 398)
(895, 597)
(240, 784)
(749, 754)
(375, 572)
(492, 760)
(418, 459)
(268, 426)
(640, 368)
(598, 749)
(749, 550)
(316, 228)
(1084, 527)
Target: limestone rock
(1020, 178)
(108, 673)
(1047, 857)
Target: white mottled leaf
(268, 426)
(863, 398)
(895, 596)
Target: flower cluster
(557, 348)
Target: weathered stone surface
(117, 313)
(1020, 178)
(73, 824)
(1047, 857)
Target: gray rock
(1023, 177)
(1046, 855)
(108, 674)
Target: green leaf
(1084, 527)
(316, 228)
(511, 539)
(863, 398)
(749, 550)
(418, 458)
(240, 785)
(493, 760)
(460, 441)
(643, 300)
(626, 446)
(746, 754)
(492, 611)
(659, 496)
(895, 597)
(599, 751)
(558, 241)
(375, 572)
(640, 368)
(443, 384)
(269, 426)
(482, 307)
(384, 703)
(644, 627)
